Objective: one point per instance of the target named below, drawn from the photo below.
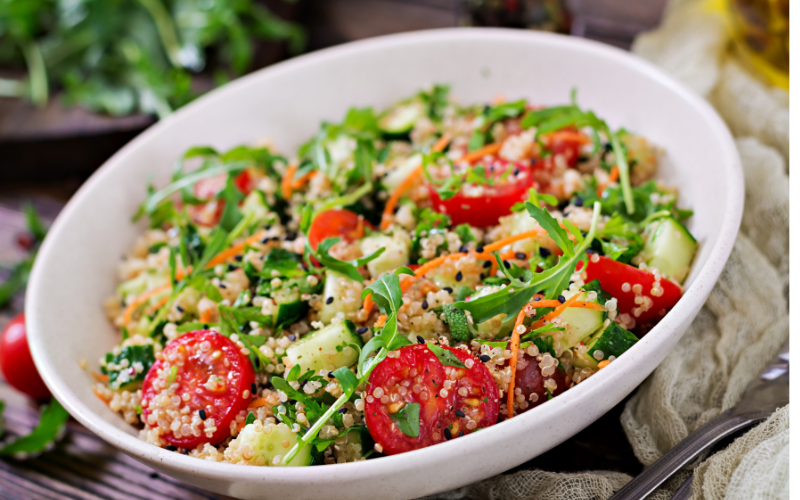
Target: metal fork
(761, 398)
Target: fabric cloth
(745, 321)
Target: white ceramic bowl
(76, 267)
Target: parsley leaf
(52, 421)
(407, 419)
(445, 357)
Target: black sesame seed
(238, 258)
(425, 303)
(331, 375)
(482, 277)
(479, 249)
(578, 201)
(460, 413)
(179, 308)
(222, 285)
(507, 264)
(544, 252)
(463, 249)
(257, 362)
(292, 337)
(342, 410)
(420, 340)
(561, 299)
(265, 240)
(459, 276)
(520, 255)
(487, 264)
(448, 289)
(231, 267)
(361, 330)
(537, 299)
(185, 451)
(447, 435)
(203, 415)
(329, 300)
(253, 389)
(516, 171)
(608, 147)
(589, 251)
(169, 447)
(485, 358)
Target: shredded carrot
(603, 364)
(155, 307)
(299, 183)
(554, 303)
(234, 250)
(205, 316)
(442, 143)
(102, 398)
(568, 135)
(258, 402)
(100, 377)
(368, 303)
(497, 245)
(556, 312)
(381, 320)
(479, 153)
(512, 362)
(287, 181)
(612, 177)
(141, 299)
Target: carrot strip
(102, 398)
(299, 183)
(568, 135)
(141, 299)
(287, 181)
(391, 203)
(497, 245)
(100, 377)
(479, 153)
(512, 362)
(603, 364)
(234, 250)
(205, 316)
(441, 143)
(258, 402)
(612, 177)
(368, 303)
(556, 312)
(381, 320)
(155, 307)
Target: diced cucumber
(269, 442)
(325, 349)
(339, 287)
(611, 341)
(579, 323)
(400, 119)
(397, 253)
(353, 445)
(289, 306)
(399, 174)
(669, 247)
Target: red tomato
(568, 146)
(624, 281)
(492, 202)
(415, 375)
(530, 381)
(16, 362)
(336, 223)
(208, 214)
(214, 382)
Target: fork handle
(687, 450)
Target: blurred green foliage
(124, 56)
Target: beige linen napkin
(745, 320)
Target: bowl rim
(697, 291)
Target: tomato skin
(16, 361)
(612, 275)
(208, 214)
(337, 222)
(495, 201)
(418, 367)
(529, 380)
(222, 404)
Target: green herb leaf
(445, 356)
(251, 417)
(407, 419)
(348, 268)
(51, 424)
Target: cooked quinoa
(295, 310)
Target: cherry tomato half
(208, 214)
(482, 206)
(214, 373)
(335, 223)
(453, 401)
(16, 362)
(625, 283)
(529, 380)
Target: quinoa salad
(407, 277)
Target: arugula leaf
(445, 357)
(553, 228)
(35, 225)
(346, 378)
(293, 373)
(52, 421)
(231, 215)
(16, 280)
(407, 419)
(348, 268)
(285, 262)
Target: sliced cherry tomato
(16, 362)
(529, 380)
(626, 282)
(214, 373)
(335, 223)
(567, 144)
(453, 401)
(208, 214)
(482, 206)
